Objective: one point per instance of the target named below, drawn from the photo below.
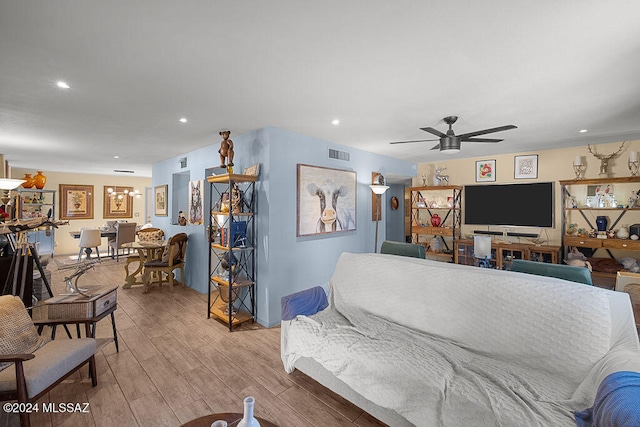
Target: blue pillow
(307, 302)
(617, 402)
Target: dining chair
(89, 238)
(149, 234)
(172, 259)
(125, 233)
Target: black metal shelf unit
(232, 257)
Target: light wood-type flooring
(175, 365)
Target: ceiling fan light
(450, 150)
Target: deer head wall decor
(604, 159)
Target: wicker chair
(173, 258)
(633, 289)
(30, 365)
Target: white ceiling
(384, 68)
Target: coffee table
(232, 418)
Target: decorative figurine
(182, 220)
(226, 149)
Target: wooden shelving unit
(444, 201)
(584, 216)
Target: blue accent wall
(286, 263)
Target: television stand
(503, 253)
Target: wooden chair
(30, 365)
(89, 238)
(173, 258)
(125, 233)
(633, 289)
(149, 234)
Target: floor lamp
(378, 189)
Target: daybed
(419, 342)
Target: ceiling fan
(450, 142)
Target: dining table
(147, 251)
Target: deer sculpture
(604, 159)
(439, 178)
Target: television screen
(525, 205)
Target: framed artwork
(118, 204)
(326, 200)
(485, 171)
(76, 201)
(526, 167)
(253, 170)
(196, 191)
(160, 200)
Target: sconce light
(378, 187)
(633, 163)
(578, 167)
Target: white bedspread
(446, 345)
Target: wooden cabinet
(232, 259)
(503, 253)
(33, 203)
(428, 203)
(584, 200)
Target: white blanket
(447, 345)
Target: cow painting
(326, 200)
(332, 217)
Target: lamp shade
(10, 184)
(378, 189)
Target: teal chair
(561, 271)
(403, 249)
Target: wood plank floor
(175, 365)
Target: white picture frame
(525, 167)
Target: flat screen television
(524, 205)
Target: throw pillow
(18, 334)
(176, 251)
(605, 265)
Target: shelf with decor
(232, 259)
(35, 203)
(596, 215)
(436, 218)
(503, 253)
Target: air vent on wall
(340, 155)
(122, 171)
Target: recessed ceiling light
(183, 120)
(583, 130)
(116, 157)
(62, 85)
(335, 122)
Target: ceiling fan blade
(486, 131)
(482, 140)
(436, 147)
(417, 140)
(436, 132)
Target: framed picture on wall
(326, 200)
(117, 202)
(196, 191)
(160, 200)
(525, 167)
(485, 170)
(76, 201)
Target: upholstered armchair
(30, 364)
(125, 233)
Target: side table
(230, 417)
(78, 310)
